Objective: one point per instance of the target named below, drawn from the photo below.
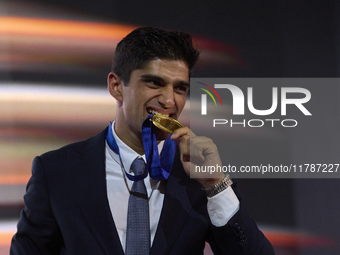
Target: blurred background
(55, 57)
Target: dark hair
(144, 44)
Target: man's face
(160, 87)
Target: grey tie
(138, 226)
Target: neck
(135, 142)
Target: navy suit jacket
(67, 211)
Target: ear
(114, 84)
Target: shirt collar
(127, 154)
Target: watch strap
(219, 187)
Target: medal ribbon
(159, 168)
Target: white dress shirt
(221, 207)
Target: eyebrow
(160, 79)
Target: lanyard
(159, 168)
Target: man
(78, 198)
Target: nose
(166, 98)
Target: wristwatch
(222, 185)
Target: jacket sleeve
(240, 235)
(37, 229)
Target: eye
(152, 83)
(182, 89)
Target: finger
(184, 147)
(201, 148)
(181, 132)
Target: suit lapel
(175, 211)
(88, 162)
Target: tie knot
(138, 166)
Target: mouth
(164, 122)
(154, 112)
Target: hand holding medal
(198, 151)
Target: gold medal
(166, 124)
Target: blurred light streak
(63, 28)
(7, 230)
(293, 239)
(38, 118)
(58, 105)
(54, 45)
(5, 238)
(14, 180)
